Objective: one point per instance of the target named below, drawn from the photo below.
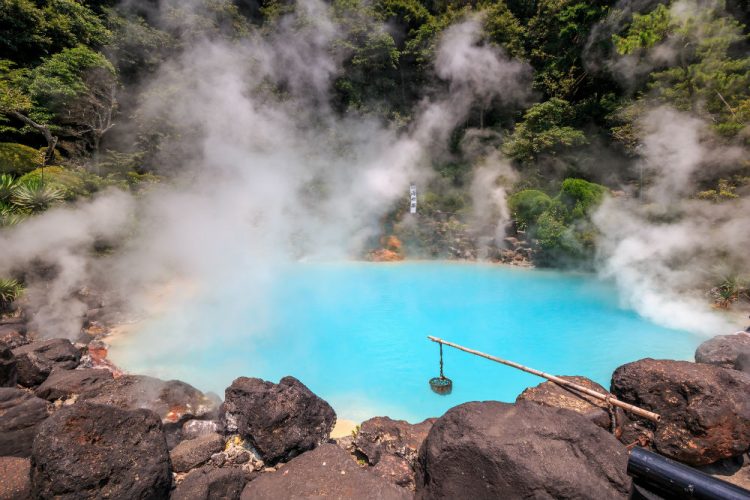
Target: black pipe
(670, 479)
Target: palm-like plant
(35, 196)
(10, 290)
(9, 216)
(7, 184)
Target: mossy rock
(17, 159)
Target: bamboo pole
(608, 398)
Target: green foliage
(579, 197)
(7, 184)
(526, 206)
(60, 79)
(18, 159)
(504, 29)
(36, 196)
(30, 30)
(561, 226)
(544, 130)
(645, 31)
(10, 290)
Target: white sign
(413, 199)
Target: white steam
(266, 173)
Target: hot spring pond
(355, 334)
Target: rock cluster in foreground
(72, 428)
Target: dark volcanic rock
(62, 384)
(705, 409)
(13, 333)
(551, 394)
(497, 450)
(15, 483)
(196, 428)
(326, 472)
(280, 420)
(37, 359)
(98, 451)
(20, 415)
(391, 446)
(727, 351)
(207, 483)
(8, 367)
(173, 401)
(194, 452)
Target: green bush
(71, 183)
(10, 290)
(35, 196)
(17, 159)
(580, 196)
(527, 205)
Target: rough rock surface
(13, 332)
(497, 450)
(194, 452)
(391, 446)
(20, 415)
(98, 451)
(15, 483)
(62, 384)
(280, 420)
(326, 472)
(705, 409)
(173, 401)
(208, 483)
(196, 428)
(37, 359)
(727, 351)
(8, 367)
(551, 394)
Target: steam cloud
(263, 180)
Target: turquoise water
(355, 333)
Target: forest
(77, 82)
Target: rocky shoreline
(74, 426)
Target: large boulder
(8, 367)
(391, 447)
(497, 450)
(554, 395)
(326, 472)
(98, 451)
(62, 384)
(194, 452)
(15, 483)
(37, 359)
(173, 401)
(705, 409)
(727, 351)
(20, 416)
(279, 420)
(208, 483)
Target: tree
(544, 130)
(15, 102)
(75, 90)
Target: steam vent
(374, 249)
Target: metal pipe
(608, 398)
(670, 479)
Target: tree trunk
(49, 155)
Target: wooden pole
(608, 398)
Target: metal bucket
(441, 385)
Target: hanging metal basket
(441, 385)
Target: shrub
(10, 290)
(527, 205)
(17, 159)
(35, 196)
(580, 196)
(67, 181)
(7, 184)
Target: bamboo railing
(607, 398)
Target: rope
(441, 361)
